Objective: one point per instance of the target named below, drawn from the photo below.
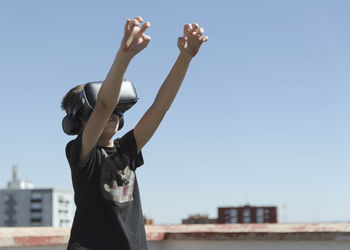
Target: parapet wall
(210, 236)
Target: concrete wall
(35, 248)
(222, 245)
(330, 236)
(250, 245)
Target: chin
(111, 128)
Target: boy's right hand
(135, 39)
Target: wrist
(123, 57)
(185, 56)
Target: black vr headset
(82, 110)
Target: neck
(105, 142)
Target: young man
(109, 214)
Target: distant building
(247, 214)
(23, 205)
(198, 219)
(147, 221)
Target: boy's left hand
(192, 39)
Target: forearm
(172, 83)
(188, 45)
(108, 95)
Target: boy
(109, 214)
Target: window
(36, 197)
(233, 216)
(233, 220)
(267, 214)
(246, 215)
(10, 200)
(36, 215)
(67, 203)
(35, 221)
(36, 206)
(64, 223)
(61, 199)
(259, 212)
(260, 215)
(10, 210)
(233, 212)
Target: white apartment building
(22, 205)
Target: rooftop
(332, 232)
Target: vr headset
(84, 106)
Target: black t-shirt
(106, 194)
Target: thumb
(181, 42)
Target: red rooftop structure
(247, 214)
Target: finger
(187, 29)
(143, 28)
(181, 41)
(146, 38)
(195, 26)
(139, 19)
(133, 23)
(200, 32)
(204, 39)
(127, 25)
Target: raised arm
(134, 41)
(189, 45)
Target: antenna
(14, 173)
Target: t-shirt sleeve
(128, 145)
(73, 150)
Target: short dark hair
(71, 98)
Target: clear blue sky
(262, 116)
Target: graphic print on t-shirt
(122, 193)
(117, 179)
